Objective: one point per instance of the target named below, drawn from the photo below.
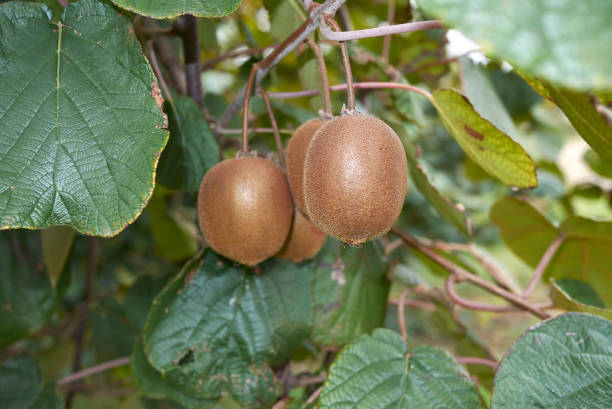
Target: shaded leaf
(378, 371)
(597, 164)
(26, 295)
(586, 120)
(139, 298)
(575, 295)
(113, 334)
(490, 148)
(172, 8)
(22, 386)
(538, 36)
(80, 129)
(562, 363)
(583, 254)
(219, 329)
(192, 148)
(56, 244)
(349, 292)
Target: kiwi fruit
(295, 155)
(304, 241)
(355, 178)
(245, 209)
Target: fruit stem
(347, 66)
(277, 137)
(316, 50)
(245, 109)
(381, 31)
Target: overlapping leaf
(192, 148)
(561, 363)
(486, 145)
(378, 371)
(548, 39)
(173, 8)
(349, 292)
(22, 386)
(583, 254)
(219, 329)
(80, 129)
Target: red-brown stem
(94, 370)
(462, 274)
(312, 380)
(233, 54)
(350, 92)
(387, 39)
(400, 314)
(314, 396)
(316, 50)
(356, 85)
(474, 360)
(470, 305)
(156, 69)
(236, 131)
(543, 264)
(277, 137)
(245, 109)
(424, 305)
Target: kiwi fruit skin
(245, 209)
(304, 241)
(295, 154)
(355, 178)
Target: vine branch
(356, 85)
(316, 50)
(277, 137)
(380, 31)
(187, 27)
(543, 264)
(94, 370)
(284, 48)
(346, 61)
(473, 360)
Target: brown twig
(277, 137)
(187, 28)
(284, 48)
(423, 305)
(400, 313)
(346, 61)
(356, 85)
(316, 50)
(230, 131)
(471, 305)
(94, 370)
(381, 31)
(79, 334)
(314, 396)
(245, 109)
(312, 380)
(233, 54)
(462, 274)
(547, 257)
(473, 360)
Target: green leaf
(26, 295)
(22, 387)
(175, 236)
(56, 244)
(150, 383)
(479, 90)
(192, 148)
(378, 371)
(217, 328)
(524, 230)
(173, 8)
(561, 363)
(575, 295)
(486, 145)
(113, 333)
(349, 292)
(583, 254)
(80, 129)
(549, 40)
(139, 298)
(597, 164)
(586, 120)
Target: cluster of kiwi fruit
(346, 175)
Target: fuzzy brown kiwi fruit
(245, 209)
(304, 241)
(295, 155)
(355, 178)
